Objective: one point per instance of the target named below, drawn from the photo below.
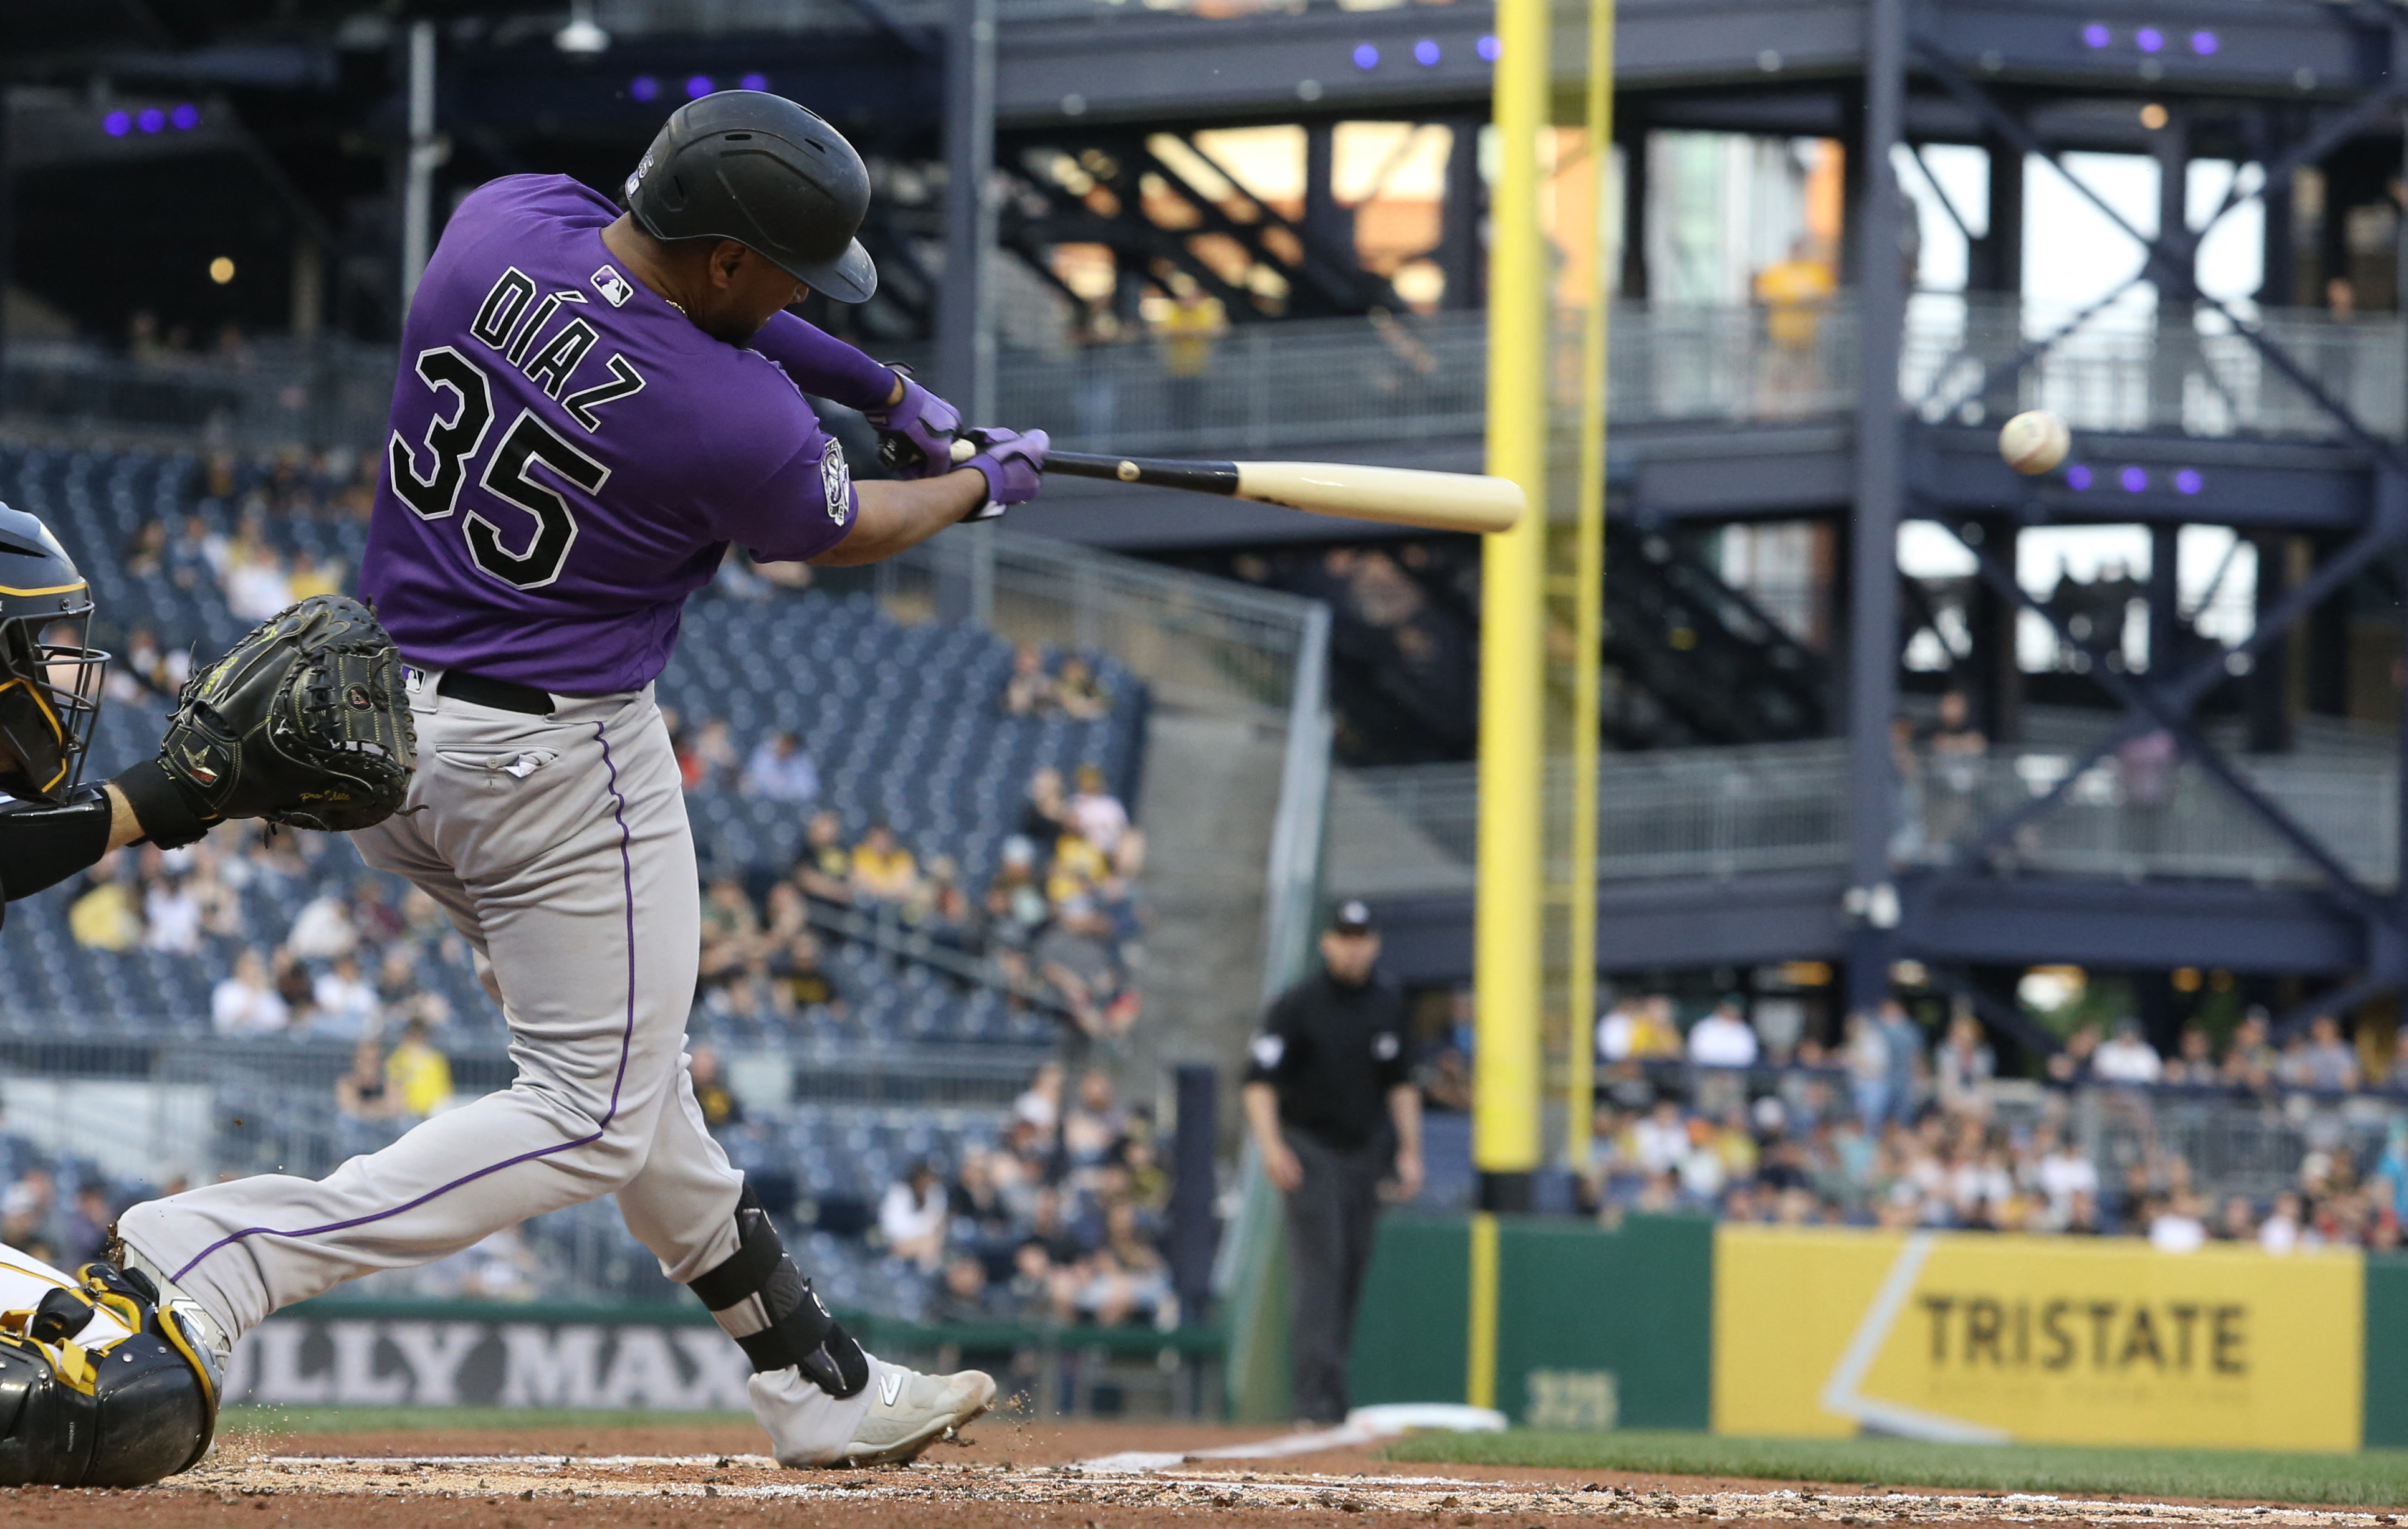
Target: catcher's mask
(50, 676)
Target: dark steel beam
(1954, 472)
(2166, 707)
(1872, 662)
(1705, 922)
(2027, 921)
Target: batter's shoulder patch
(612, 286)
(836, 480)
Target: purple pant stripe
(626, 1040)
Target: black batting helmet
(49, 678)
(756, 168)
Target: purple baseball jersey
(570, 456)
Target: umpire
(1327, 1096)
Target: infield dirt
(1010, 1474)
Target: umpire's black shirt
(1332, 1052)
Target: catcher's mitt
(303, 723)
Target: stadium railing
(1784, 806)
(1311, 383)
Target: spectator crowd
(353, 961)
(1059, 1218)
(1059, 924)
(1755, 1122)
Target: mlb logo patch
(612, 286)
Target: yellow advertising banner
(1981, 1339)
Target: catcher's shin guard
(762, 1299)
(120, 1410)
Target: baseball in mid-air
(2034, 441)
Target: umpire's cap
(49, 678)
(757, 168)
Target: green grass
(2378, 1477)
(246, 1419)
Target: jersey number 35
(429, 476)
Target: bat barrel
(1466, 502)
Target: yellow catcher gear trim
(55, 589)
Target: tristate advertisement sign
(1986, 1338)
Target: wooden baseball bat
(1393, 495)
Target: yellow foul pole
(1588, 610)
(1507, 949)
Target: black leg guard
(118, 1414)
(762, 1299)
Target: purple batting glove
(1014, 466)
(915, 433)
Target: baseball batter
(592, 405)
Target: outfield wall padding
(1412, 1333)
(1680, 1323)
(2386, 1352)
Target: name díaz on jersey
(504, 325)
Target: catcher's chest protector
(97, 1391)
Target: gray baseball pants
(560, 849)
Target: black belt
(501, 694)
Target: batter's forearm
(890, 517)
(821, 363)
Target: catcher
(302, 723)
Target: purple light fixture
(2097, 36)
(644, 87)
(2203, 43)
(2133, 478)
(2077, 477)
(698, 87)
(1488, 48)
(185, 117)
(117, 124)
(151, 119)
(756, 82)
(1426, 53)
(1366, 56)
(2148, 39)
(2187, 480)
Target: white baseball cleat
(887, 1422)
